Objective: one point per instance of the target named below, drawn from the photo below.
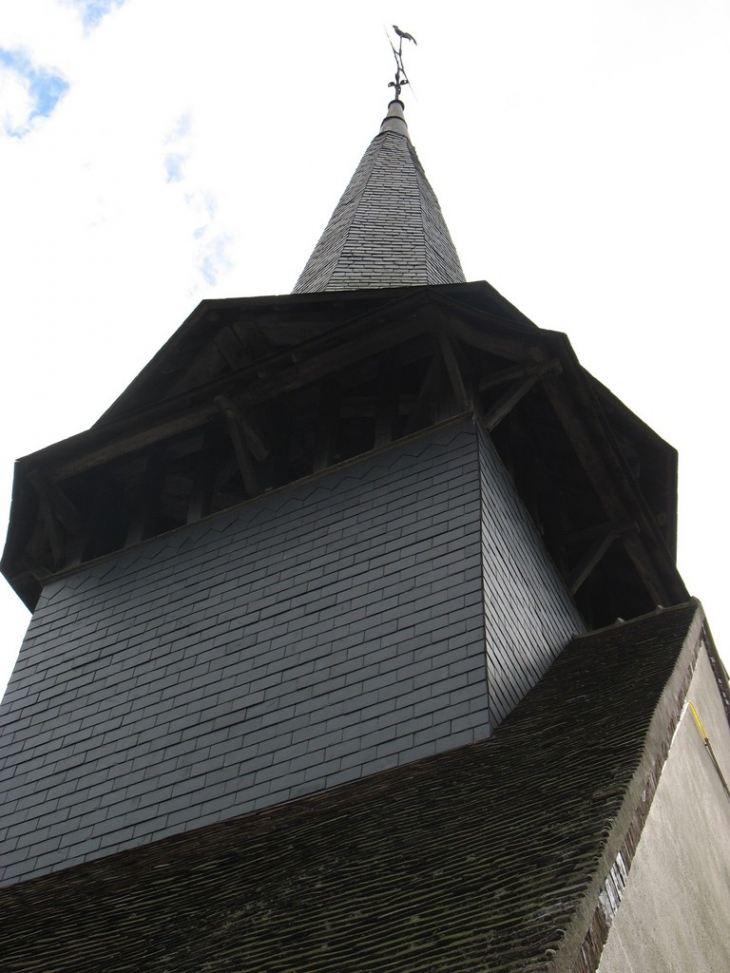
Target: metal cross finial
(401, 79)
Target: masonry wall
(529, 615)
(674, 907)
(315, 635)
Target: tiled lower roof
(478, 859)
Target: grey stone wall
(529, 616)
(674, 906)
(295, 643)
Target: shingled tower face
(318, 537)
(388, 229)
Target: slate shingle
(387, 229)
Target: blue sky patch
(94, 11)
(39, 90)
(174, 166)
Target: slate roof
(387, 229)
(488, 858)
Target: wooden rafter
(148, 498)
(329, 415)
(541, 369)
(57, 501)
(420, 416)
(458, 372)
(199, 502)
(592, 557)
(244, 455)
(595, 466)
(134, 435)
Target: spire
(387, 229)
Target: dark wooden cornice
(304, 391)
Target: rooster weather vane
(401, 78)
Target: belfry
(358, 643)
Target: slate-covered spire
(387, 229)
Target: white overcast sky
(157, 152)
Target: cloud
(214, 258)
(93, 11)
(182, 127)
(174, 166)
(211, 241)
(27, 91)
(176, 159)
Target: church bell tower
(318, 536)
(324, 541)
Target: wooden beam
(111, 446)
(130, 442)
(243, 457)
(231, 348)
(594, 555)
(502, 345)
(249, 429)
(541, 369)
(386, 408)
(427, 395)
(458, 371)
(53, 534)
(148, 498)
(328, 422)
(507, 401)
(67, 513)
(595, 466)
(35, 569)
(199, 502)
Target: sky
(158, 152)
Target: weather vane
(401, 77)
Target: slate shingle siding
(387, 229)
(310, 638)
(529, 616)
(316, 635)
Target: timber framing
(252, 394)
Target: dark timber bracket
(52, 494)
(244, 457)
(582, 571)
(526, 376)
